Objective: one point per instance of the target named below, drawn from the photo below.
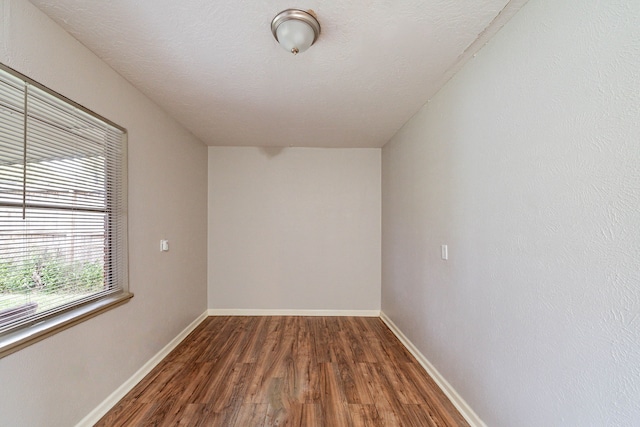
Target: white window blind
(62, 204)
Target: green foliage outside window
(50, 274)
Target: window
(63, 248)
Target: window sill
(24, 337)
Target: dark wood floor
(293, 371)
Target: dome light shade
(295, 30)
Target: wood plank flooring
(287, 371)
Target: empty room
(322, 213)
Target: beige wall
(58, 381)
(294, 228)
(527, 164)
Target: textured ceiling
(216, 68)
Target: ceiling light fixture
(295, 30)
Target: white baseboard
(94, 416)
(259, 312)
(465, 410)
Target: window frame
(76, 312)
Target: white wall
(294, 228)
(527, 164)
(56, 382)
